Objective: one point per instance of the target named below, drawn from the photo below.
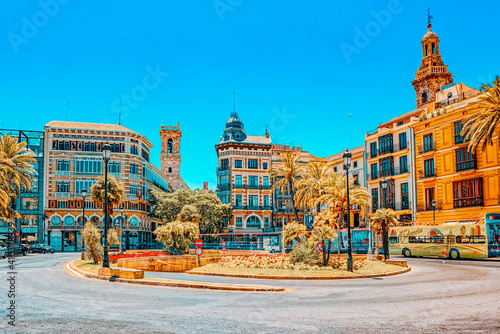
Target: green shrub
(305, 252)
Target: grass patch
(370, 268)
(90, 266)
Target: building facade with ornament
(73, 162)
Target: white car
(3, 252)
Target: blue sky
(286, 60)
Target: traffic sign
(224, 244)
(198, 243)
(319, 247)
(17, 234)
(117, 222)
(198, 251)
(224, 248)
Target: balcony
(427, 174)
(220, 169)
(426, 148)
(238, 186)
(238, 207)
(404, 205)
(265, 187)
(253, 186)
(403, 146)
(427, 207)
(62, 194)
(135, 176)
(467, 202)
(371, 177)
(466, 165)
(254, 207)
(63, 173)
(224, 186)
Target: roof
(401, 117)
(87, 126)
(263, 140)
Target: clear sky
(298, 67)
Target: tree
(177, 236)
(305, 252)
(169, 205)
(310, 185)
(293, 231)
(16, 172)
(483, 125)
(322, 234)
(112, 237)
(91, 236)
(382, 220)
(115, 190)
(285, 176)
(328, 218)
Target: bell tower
(432, 73)
(171, 156)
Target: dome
(429, 34)
(234, 121)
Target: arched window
(170, 146)
(254, 222)
(170, 169)
(69, 220)
(433, 49)
(424, 97)
(426, 50)
(55, 221)
(134, 222)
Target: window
(429, 168)
(375, 199)
(266, 200)
(373, 149)
(238, 180)
(433, 49)
(62, 204)
(424, 97)
(88, 166)
(63, 145)
(355, 164)
(429, 197)
(238, 163)
(253, 201)
(401, 123)
(81, 184)
(63, 165)
(29, 203)
(115, 148)
(29, 220)
(264, 165)
(458, 130)
(426, 50)
(253, 182)
(387, 166)
(266, 221)
(374, 173)
(355, 177)
(335, 169)
(224, 163)
(170, 170)
(265, 181)
(134, 150)
(253, 222)
(134, 169)
(239, 221)
(253, 163)
(238, 201)
(385, 144)
(403, 144)
(114, 167)
(468, 193)
(465, 160)
(403, 164)
(170, 146)
(405, 200)
(62, 187)
(134, 190)
(89, 147)
(428, 143)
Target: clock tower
(432, 73)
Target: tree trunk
(328, 251)
(386, 240)
(324, 252)
(292, 192)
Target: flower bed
(114, 258)
(282, 262)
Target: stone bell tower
(171, 156)
(432, 73)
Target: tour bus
(451, 240)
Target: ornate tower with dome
(171, 156)
(432, 73)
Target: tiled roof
(87, 126)
(250, 140)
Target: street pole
(433, 203)
(347, 163)
(84, 194)
(107, 154)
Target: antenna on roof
(68, 104)
(350, 139)
(120, 112)
(429, 17)
(234, 114)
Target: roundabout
(453, 296)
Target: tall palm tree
(322, 234)
(382, 220)
(16, 173)
(285, 176)
(484, 123)
(293, 231)
(328, 218)
(310, 186)
(116, 192)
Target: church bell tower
(171, 156)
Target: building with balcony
(359, 217)
(243, 179)
(29, 202)
(73, 161)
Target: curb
(69, 267)
(402, 271)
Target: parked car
(3, 252)
(276, 248)
(20, 249)
(41, 248)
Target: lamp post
(124, 220)
(84, 194)
(433, 204)
(106, 153)
(347, 163)
(384, 189)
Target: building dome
(429, 33)
(234, 121)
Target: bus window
(437, 240)
(423, 239)
(478, 239)
(394, 240)
(464, 239)
(412, 239)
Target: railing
(431, 173)
(238, 207)
(63, 194)
(118, 175)
(265, 187)
(468, 201)
(220, 169)
(428, 207)
(135, 176)
(238, 186)
(63, 173)
(431, 70)
(426, 148)
(253, 186)
(405, 205)
(371, 177)
(371, 154)
(224, 186)
(466, 165)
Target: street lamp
(84, 194)
(124, 220)
(433, 204)
(347, 163)
(384, 188)
(106, 153)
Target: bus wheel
(454, 254)
(406, 252)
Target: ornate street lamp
(384, 188)
(124, 220)
(347, 163)
(84, 194)
(433, 204)
(106, 153)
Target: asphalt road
(439, 296)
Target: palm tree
(285, 176)
(483, 124)
(92, 240)
(310, 186)
(328, 218)
(382, 220)
(322, 234)
(116, 192)
(293, 231)
(16, 173)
